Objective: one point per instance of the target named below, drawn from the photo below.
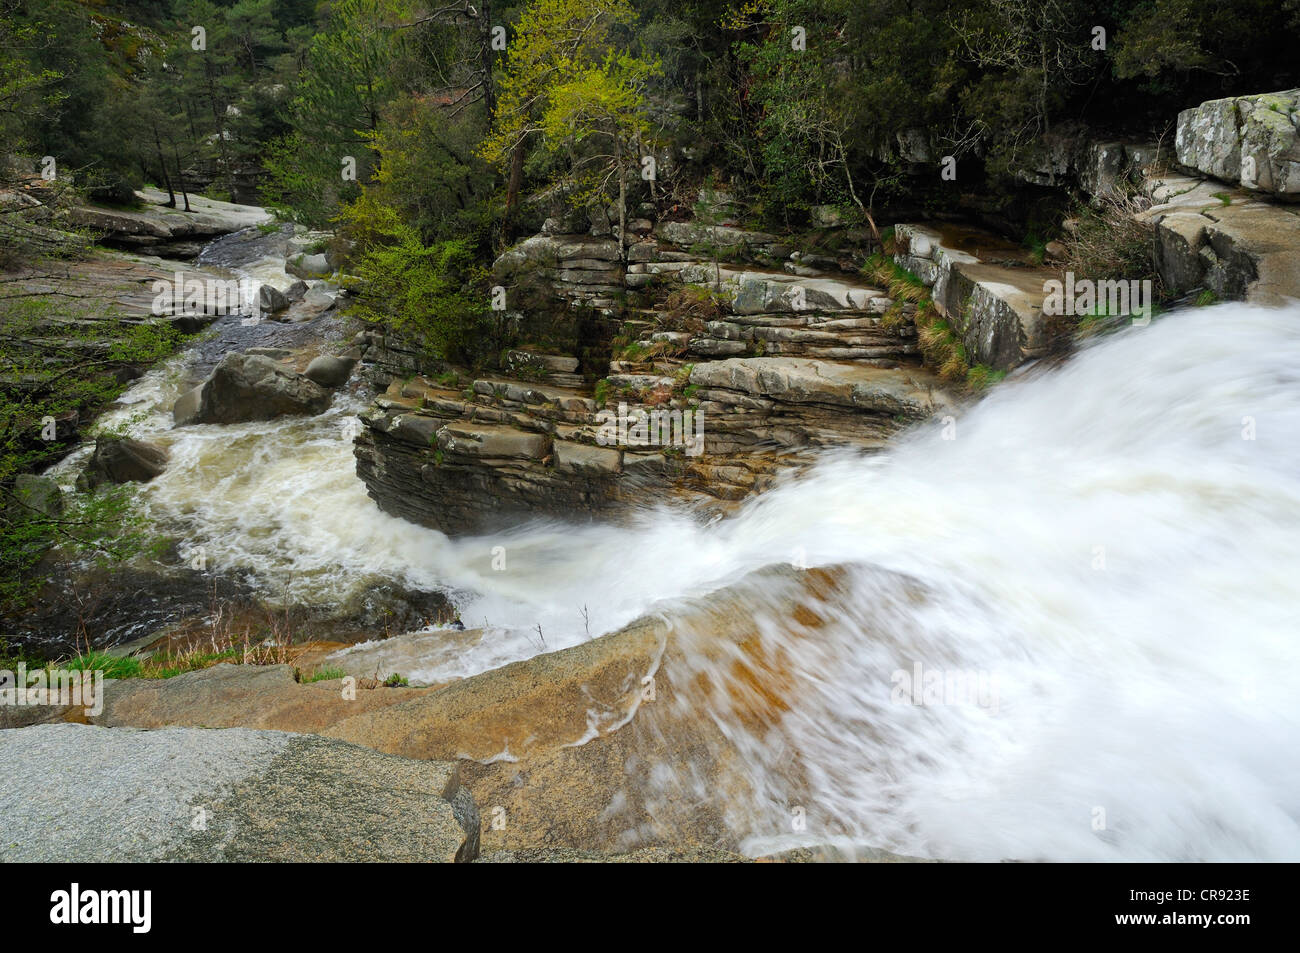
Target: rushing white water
(1114, 543)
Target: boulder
(124, 460)
(271, 299)
(1227, 240)
(663, 734)
(317, 301)
(308, 266)
(235, 795)
(1253, 141)
(329, 371)
(38, 495)
(187, 407)
(250, 387)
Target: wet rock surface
(580, 754)
(247, 387)
(124, 460)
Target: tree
(1032, 52)
(434, 295)
(349, 75)
(603, 104)
(556, 43)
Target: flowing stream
(1113, 544)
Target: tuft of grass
(111, 665)
(894, 319)
(901, 284)
(325, 674)
(1206, 298)
(171, 666)
(941, 348)
(396, 681)
(1037, 247)
(691, 306)
(981, 377)
(601, 395)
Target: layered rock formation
(165, 231)
(773, 347)
(1227, 240)
(764, 363)
(989, 290)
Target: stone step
(911, 392)
(995, 308)
(768, 292)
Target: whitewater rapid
(1116, 539)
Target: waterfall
(1107, 551)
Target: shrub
(435, 295)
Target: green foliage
(430, 173)
(435, 294)
(26, 89)
(62, 362)
(396, 681)
(113, 666)
(104, 527)
(981, 377)
(325, 674)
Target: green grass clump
(325, 674)
(112, 666)
(981, 377)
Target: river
(1113, 544)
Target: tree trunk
(622, 200)
(162, 167)
(221, 132)
(513, 184)
(180, 176)
(485, 57)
